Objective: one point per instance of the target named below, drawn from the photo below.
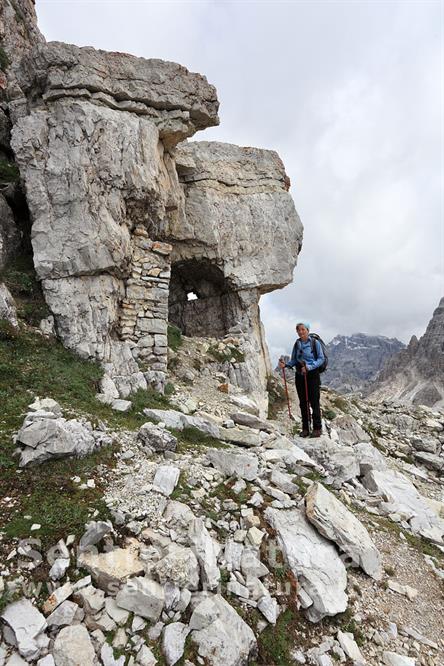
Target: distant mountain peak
(416, 374)
(355, 360)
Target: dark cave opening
(201, 301)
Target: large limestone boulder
(73, 646)
(334, 521)
(221, 635)
(8, 309)
(94, 155)
(314, 561)
(27, 625)
(400, 496)
(43, 436)
(240, 238)
(177, 100)
(230, 191)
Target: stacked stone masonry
(144, 310)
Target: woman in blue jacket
(307, 364)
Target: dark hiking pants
(314, 392)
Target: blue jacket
(302, 352)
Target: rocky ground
(212, 536)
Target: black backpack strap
(314, 348)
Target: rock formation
(416, 374)
(355, 360)
(127, 220)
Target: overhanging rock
(126, 222)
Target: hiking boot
(317, 432)
(304, 433)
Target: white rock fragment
(142, 596)
(269, 608)
(107, 656)
(173, 641)
(242, 465)
(206, 550)
(73, 646)
(28, 625)
(335, 522)
(313, 560)
(406, 590)
(228, 640)
(350, 647)
(95, 531)
(59, 568)
(395, 659)
(165, 479)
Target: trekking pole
(306, 398)
(290, 415)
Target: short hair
(303, 323)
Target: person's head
(303, 329)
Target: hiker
(307, 357)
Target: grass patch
(224, 491)
(341, 404)
(190, 438)
(21, 280)
(53, 500)
(9, 172)
(419, 543)
(4, 60)
(275, 643)
(182, 489)
(348, 624)
(174, 335)
(329, 414)
(8, 332)
(32, 365)
(231, 354)
(20, 276)
(169, 389)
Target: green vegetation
(4, 60)
(231, 354)
(7, 332)
(348, 624)
(9, 172)
(329, 414)
(169, 389)
(30, 366)
(341, 404)
(224, 491)
(190, 438)
(276, 641)
(20, 277)
(52, 499)
(174, 337)
(374, 433)
(21, 280)
(182, 489)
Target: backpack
(313, 337)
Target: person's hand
(304, 368)
(281, 363)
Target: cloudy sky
(351, 96)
